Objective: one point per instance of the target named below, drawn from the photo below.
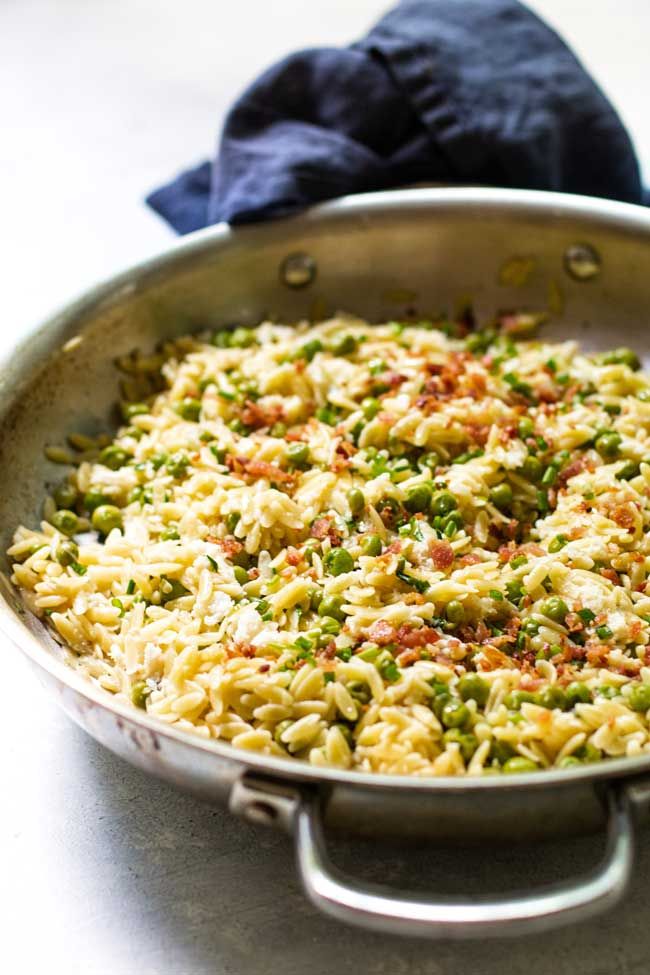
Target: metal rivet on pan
(582, 262)
(298, 270)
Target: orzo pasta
(414, 547)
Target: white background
(101, 869)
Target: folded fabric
(453, 91)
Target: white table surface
(103, 870)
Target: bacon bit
(346, 448)
(230, 545)
(492, 659)
(254, 573)
(476, 384)
(442, 554)
(470, 559)
(408, 657)
(327, 653)
(293, 556)
(530, 683)
(382, 633)
(622, 515)
(391, 379)
(256, 416)
(259, 468)
(597, 655)
(264, 668)
(482, 632)
(408, 636)
(612, 575)
(573, 623)
(241, 650)
(576, 467)
(324, 528)
(478, 432)
(510, 551)
(343, 451)
(394, 548)
(413, 598)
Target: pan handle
(398, 912)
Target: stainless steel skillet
(381, 255)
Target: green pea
(67, 552)
(65, 495)
(624, 357)
(455, 714)
(114, 457)
(467, 742)
(577, 693)
(370, 407)
(371, 546)
(549, 477)
(107, 517)
(344, 345)
(278, 430)
(553, 697)
(443, 502)
(140, 693)
(608, 444)
(639, 697)
(455, 612)
(297, 454)
(240, 574)
(65, 521)
(232, 520)
(129, 410)
(189, 409)
(331, 606)
(501, 751)
(360, 691)
(241, 338)
(330, 626)
(588, 753)
(525, 427)
(356, 500)
(337, 561)
(555, 608)
(222, 339)
(418, 498)
(93, 499)
(473, 687)
(518, 764)
(530, 626)
(532, 469)
(171, 589)
(454, 518)
(557, 544)
(629, 470)
(515, 699)
(280, 729)
(569, 761)
(501, 495)
(177, 465)
(430, 461)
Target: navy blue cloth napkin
(454, 91)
